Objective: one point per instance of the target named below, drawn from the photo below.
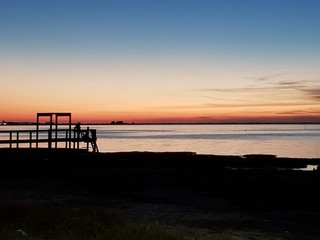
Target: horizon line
(156, 123)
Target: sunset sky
(161, 60)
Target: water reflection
(291, 140)
(309, 168)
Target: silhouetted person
(77, 130)
(93, 135)
(94, 140)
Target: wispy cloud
(313, 93)
(279, 85)
(232, 90)
(228, 100)
(276, 94)
(299, 112)
(295, 83)
(238, 105)
(309, 88)
(260, 104)
(266, 78)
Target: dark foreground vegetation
(75, 195)
(30, 221)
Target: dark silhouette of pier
(68, 137)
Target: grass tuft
(29, 222)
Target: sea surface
(284, 140)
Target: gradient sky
(161, 60)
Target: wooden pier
(53, 136)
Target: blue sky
(185, 45)
(154, 26)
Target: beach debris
(23, 233)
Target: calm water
(296, 140)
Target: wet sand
(255, 197)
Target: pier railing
(50, 138)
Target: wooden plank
(39, 140)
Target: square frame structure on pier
(55, 117)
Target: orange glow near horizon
(209, 105)
(172, 118)
(147, 93)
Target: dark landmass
(171, 123)
(216, 194)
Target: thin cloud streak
(282, 85)
(313, 93)
(310, 88)
(272, 95)
(300, 112)
(266, 78)
(240, 105)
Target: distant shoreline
(228, 123)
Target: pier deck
(53, 137)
